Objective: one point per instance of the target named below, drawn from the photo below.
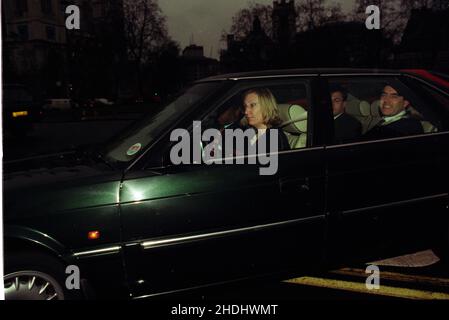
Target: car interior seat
(363, 111)
(428, 127)
(294, 124)
(376, 117)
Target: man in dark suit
(396, 122)
(347, 128)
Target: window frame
(156, 157)
(397, 78)
(245, 85)
(443, 110)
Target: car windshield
(134, 140)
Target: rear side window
(376, 108)
(435, 97)
(442, 99)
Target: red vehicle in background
(438, 78)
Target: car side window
(437, 98)
(287, 112)
(195, 142)
(371, 108)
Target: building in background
(255, 51)
(195, 65)
(284, 23)
(337, 44)
(34, 45)
(54, 62)
(97, 52)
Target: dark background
(123, 51)
(122, 63)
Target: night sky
(205, 19)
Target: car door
(438, 98)
(386, 196)
(189, 225)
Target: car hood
(62, 181)
(46, 169)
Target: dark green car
(135, 224)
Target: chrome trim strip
(258, 155)
(296, 75)
(109, 250)
(383, 74)
(433, 134)
(158, 243)
(359, 74)
(392, 204)
(274, 76)
(301, 150)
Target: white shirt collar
(335, 117)
(396, 117)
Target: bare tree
(430, 4)
(242, 22)
(315, 13)
(312, 14)
(441, 4)
(395, 13)
(145, 30)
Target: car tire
(36, 276)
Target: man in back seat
(347, 128)
(396, 121)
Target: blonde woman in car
(262, 114)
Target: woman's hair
(269, 107)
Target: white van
(58, 104)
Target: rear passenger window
(368, 109)
(439, 100)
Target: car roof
(298, 72)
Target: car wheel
(34, 276)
